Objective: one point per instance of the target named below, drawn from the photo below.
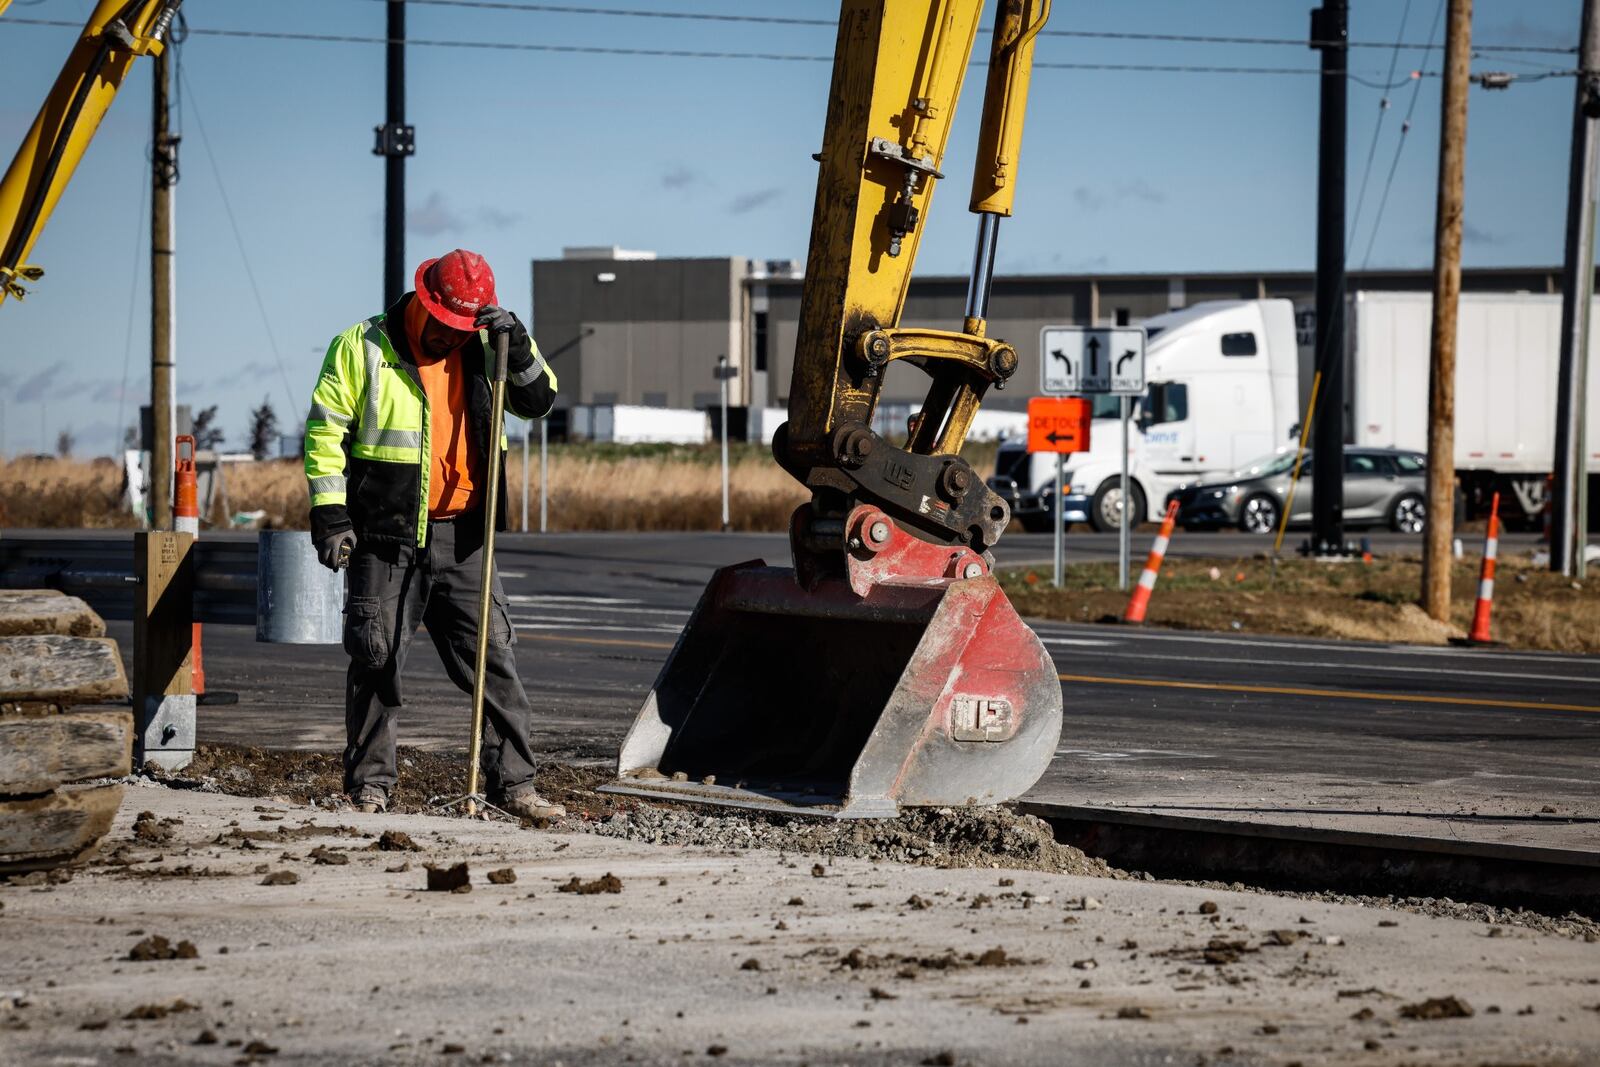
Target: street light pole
(724, 372)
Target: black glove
(497, 320)
(334, 550)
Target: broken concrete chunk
(454, 879)
(607, 883)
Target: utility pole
(1330, 32)
(396, 141)
(1436, 554)
(163, 176)
(1568, 519)
(724, 372)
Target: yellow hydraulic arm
(898, 68)
(117, 32)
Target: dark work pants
(391, 589)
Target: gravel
(928, 837)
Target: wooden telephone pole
(163, 176)
(1436, 554)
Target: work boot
(370, 800)
(528, 804)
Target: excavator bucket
(850, 699)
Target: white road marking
(1132, 753)
(512, 574)
(588, 628)
(553, 598)
(1041, 627)
(603, 610)
(1083, 642)
(1450, 670)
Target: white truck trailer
(1226, 382)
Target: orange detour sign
(1058, 424)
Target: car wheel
(1105, 509)
(1409, 514)
(1259, 515)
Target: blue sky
(521, 152)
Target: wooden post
(163, 649)
(163, 176)
(1436, 555)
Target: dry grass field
(591, 488)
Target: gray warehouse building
(624, 327)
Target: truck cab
(1221, 390)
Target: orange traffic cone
(1491, 549)
(186, 519)
(1140, 600)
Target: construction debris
(157, 947)
(452, 879)
(607, 883)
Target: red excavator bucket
(911, 681)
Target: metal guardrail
(98, 567)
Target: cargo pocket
(366, 637)
(501, 632)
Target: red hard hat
(454, 286)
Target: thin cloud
(681, 178)
(1093, 198)
(433, 217)
(747, 202)
(1473, 235)
(38, 387)
(493, 217)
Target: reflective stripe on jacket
(367, 452)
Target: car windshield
(1267, 466)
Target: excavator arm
(897, 75)
(118, 32)
(887, 668)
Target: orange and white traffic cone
(186, 519)
(1140, 600)
(1491, 549)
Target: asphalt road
(1442, 741)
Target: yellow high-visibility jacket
(367, 452)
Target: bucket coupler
(911, 680)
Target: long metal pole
(1568, 525)
(544, 476)
(722, 372)
(525, 474)
(163, 176)
(1436, 549)
(394, 144)
(1125, 530)
(1329, 35)
(1061, 521)
(491, 513)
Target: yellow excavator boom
(118, 32)
(887, 668)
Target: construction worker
(396, 453)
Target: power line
(1101, 35)
(1377, 127)
(141, 231)
(676, 53)
(1400, 144)
(227, 207)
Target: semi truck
(1227, 382)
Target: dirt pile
(930, 837)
